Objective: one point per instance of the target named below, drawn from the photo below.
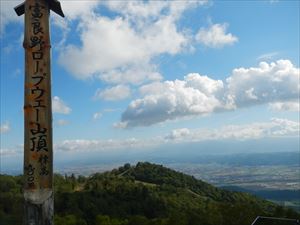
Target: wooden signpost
(38, 151)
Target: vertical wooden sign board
(38, 151)
(38, 154)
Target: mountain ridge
(144, 193)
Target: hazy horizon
(147, 79)
(200, 153)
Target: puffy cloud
(270, 82)
(195, 95)
(215, 36)
(178, 134)
(113, 44)
(285, 127)
(200, 95)
(205, 84)
(78, 9)
(58, 106)
(137, 9)
(74, 11)
(8, 14)
(118, 92)
(83, 145)
(120, 49)
(9, 152)
(275, 128)
(4, 128)
(134, 74)
(151, 9)
(293, 106)
(12, 151)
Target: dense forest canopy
(144, 194)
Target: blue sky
(136, 75)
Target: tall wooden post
(38, 151)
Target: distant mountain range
(143, 194)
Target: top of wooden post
(54, 5)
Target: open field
(248, 177)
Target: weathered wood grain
(38, 152)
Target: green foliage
(69, 220)
(11, 200)
(107, 220)
(145, 194)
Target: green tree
(138, 220)
(69, 220)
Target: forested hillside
(144, 194)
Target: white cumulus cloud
(121, 49)
(59, 106)
(78, 9)
(276, 127)
(178, 134)
(83, 145)
(195, 95)
(134, 74)
(116, 93)
(293, 106)
(151, 9)
(269, 82)
(7, 14)
(200, 95)
(6, 152)
(216, 36)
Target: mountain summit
(143, 194)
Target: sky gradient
(144, 75)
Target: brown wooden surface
(38, 153)
(37, 109)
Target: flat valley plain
(269, 177)
(279, 184)
(273, 176)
